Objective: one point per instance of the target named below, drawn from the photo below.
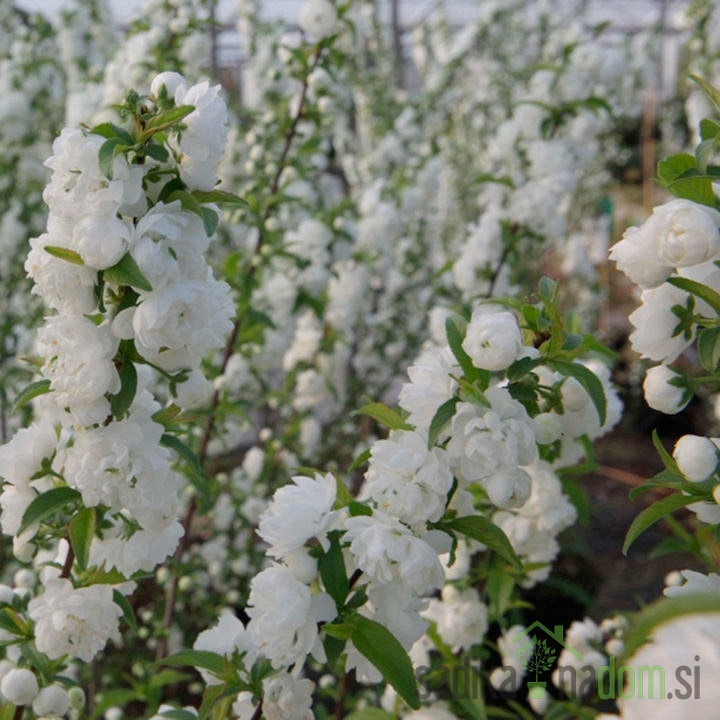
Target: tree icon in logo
(536, 657)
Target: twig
(19, 710)
(258, 712)
(69, 560)
(227, 354)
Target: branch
(227, 354)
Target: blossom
(660, 394)
(493, 340)
(297, 513)
(697, 457)
(51, 700)
(461, 617)
(287, 698)
(74, 622)
(284, 617)
(318, 19)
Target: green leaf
(33, 390)
(46, 504)
(667, 459)
(157, 152)
(661, 611)
(384, 415)
(120, 403)
(674, 166)
(708, 347)
(214, 663)
(455, 340)
(210, 220)
(652, 514)
(110, 130)
(710, 296)
(64, 254)
(331, 566)
(179, 715)
(187, 200)
(590, 382)
(165, 120)
(712, 93)
(198, 477)
(709, 129)
(361, 459)
(82, 532)
(107, 155)
(382, 649)
(115, 698)
(442, 417)
(219, 197)
(577, 497)
(485, 531)
(128, 613)
(358, 508)
(126, 272)
(168, 677)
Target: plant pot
(536, 690)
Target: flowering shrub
(302, 412)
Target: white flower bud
(660, 394)
(171, 80)
(696, 457)
(77, 698)
(615, 647)
(195, 392)
(548, 428)
(318, 19)
(508, 487)
(19, 686)
(23, 551)
(24, 578)
(6, 594)
(574, 397)
(113, 713)
(51, 700)
(493, 339)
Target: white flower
(19, 686)
(22, 456)
(697, 457)
(73, 622)
(485, 439)
(673, 644)
(318, 19)
(385, 549)
(297, 513)
(493, 340)
(177, 325)
(284, 617)
(694, 582)
(287, 698)
(461, 617)
(203, 140)
(225, 638)
(406, 479)
(81, 380)
(508, 487)
(195, 392)
(429, 387)
(678, 234)
(660, 394)
(436, 711)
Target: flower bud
(19, 686)
(660, 394)
(696, 457)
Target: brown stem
(19, 710)
(227, 354)
(69, 560)
(344, 690)
(258, 712)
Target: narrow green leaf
(179, 715)
(442, 417)
(455, 340)
(357, 508)
(198, 477)
(382, 649)
(485, 531)
(120, 403)
(157, 152)
(370, 713)
(708, 346)
(219, 197)
(33, 390)
(204, 659)
(361, 459)
(165, 120)
(128, 613)
(107, 155)
(331, 566)
(661, 611)
(111, 130)
(64, 254)
(710, 296)
(126, 272)
(384, 415)
(46, 504)
(590, 382)
(667, 459)
(712, 93)
(210, 220)
(652, 514)
(187, 200)
(82, 532)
